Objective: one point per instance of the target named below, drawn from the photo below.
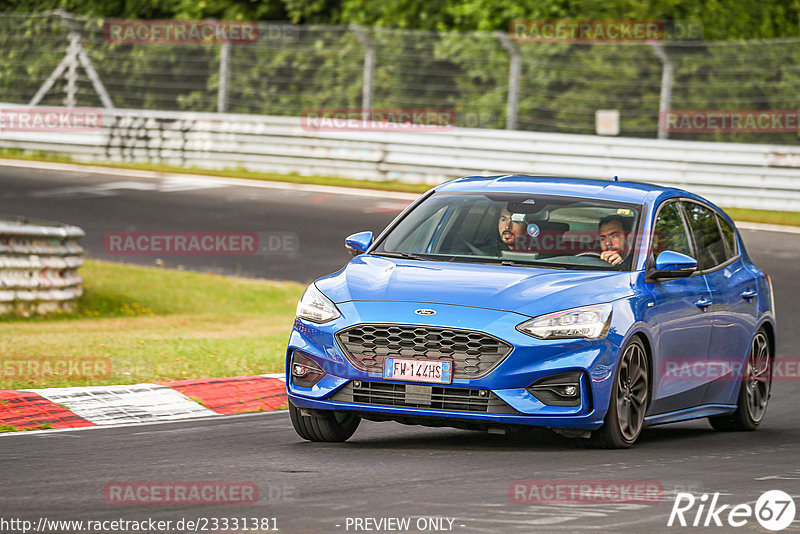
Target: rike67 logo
(774, 510)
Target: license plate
(430, 371)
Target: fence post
(514, 70)
(369, 66)
(224, 66)
(667, 78)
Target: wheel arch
(648, 351)
(639, 332)
(769, 328)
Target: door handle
(747, 294)
(703, 303)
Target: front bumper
(503, 388)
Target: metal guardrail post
(369, 65)
(39, 264)
(514, 71)
(667, 78)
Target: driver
(512, 229)
(614, 239)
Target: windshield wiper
(405, 255)
(542, 264)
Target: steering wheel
(592, 253)
(474, 249)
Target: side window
(729, 236)
(707, 237)
(479, 224)
(420, 238)
(670, 232)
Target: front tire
(323, 425)
(629, 399)
(754, 391)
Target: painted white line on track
(176, 179)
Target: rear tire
(754, 391)
(629, 399)
(323, 425)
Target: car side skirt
(695, 412)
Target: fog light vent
(559, 390)
(305, 371)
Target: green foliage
(722, 19)
(300, 67)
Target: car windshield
(517, 229)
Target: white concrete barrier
(730, 174)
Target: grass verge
(153, 325)
(786, 218)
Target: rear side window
(728, 236)
(670, 231)
(707, 236)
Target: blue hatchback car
(594, 308)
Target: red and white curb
(75, 407)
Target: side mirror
(670, 264)
(358, 243)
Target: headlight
(590, 322)
(316, 307)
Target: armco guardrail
(39, 264)
(731, 174)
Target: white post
(72, 70)
(667, 78)
(224, 67)
(369, 66)
(514, 71)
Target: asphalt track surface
(386, 469)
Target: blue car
(593, 308)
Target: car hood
(526, 290)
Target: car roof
(617, 191)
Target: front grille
(422, 396)
(474, 354)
